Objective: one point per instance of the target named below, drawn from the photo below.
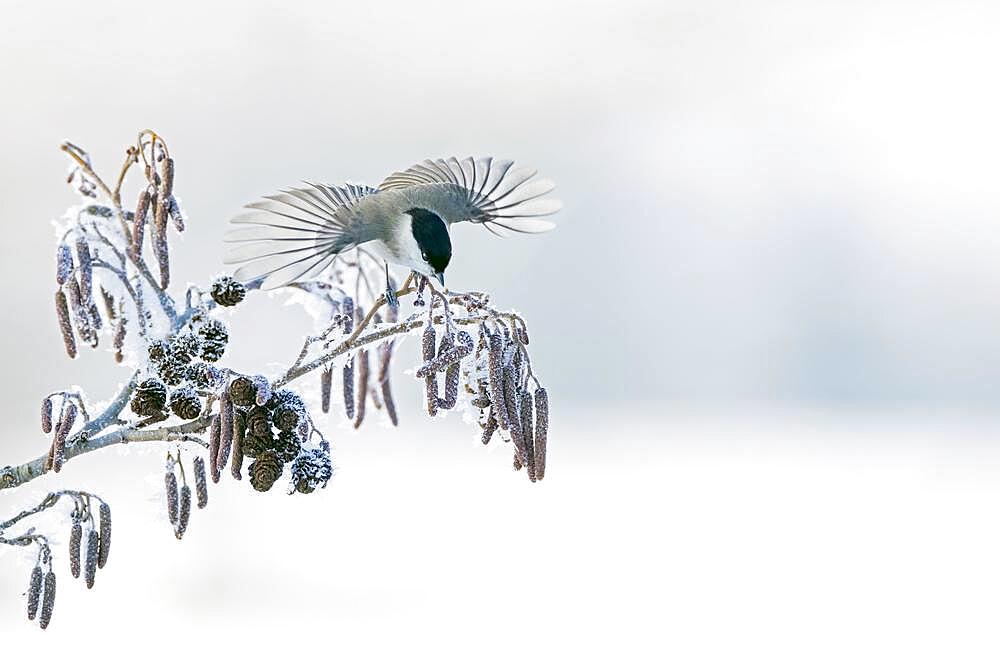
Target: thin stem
(83, 161)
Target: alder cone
(265, 471)
(150, 398)
(184, 403)
(228, 292)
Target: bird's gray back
(376, 215)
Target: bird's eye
(424, 255)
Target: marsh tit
(294, 235)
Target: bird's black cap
(431, 234)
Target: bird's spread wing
(293, 235)
(494, 193)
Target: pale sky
(789, 202)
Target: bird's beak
(440, 277)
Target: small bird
(294, 235)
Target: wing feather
(293, 234)
(492, 192)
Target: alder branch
(180, 390)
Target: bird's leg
(390, 294)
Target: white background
(767, 321)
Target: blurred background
(766, 321)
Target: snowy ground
(685, 541)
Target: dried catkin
(200, 482)
(239, 432)
(451, 378)
(214, 436)
(167, 182)
(64, 263)
(86, 269)
(65, 326)
(75, 538)
(451, 395)
(95, 316)
(384, 379)
(184, 512)
(174, 209)
(225, 429)
(428, 341)
(161, 248)
(80, 314)
(390, 402)
(521, 332)
(109, 304)
(47, 415)
(139, 223)
(90, 566)
(34, 591)
(348, 311)
(104, 513)
(140, 307)
(56, 437)
(541, 430)
(48, 600)
(325, 388)
(364, 368)
(452, 355)
(59, 443)
(171, 485)
(526, 433)
(349, 388)
(374, 395)
(511, 397)
(118, 343)
(70, 417)
(489, 429)
(496, 380)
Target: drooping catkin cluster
(495, 373)
(157, 197)
(505, 399)
(78, 259)
(179, 495)
(366, 377)
(89, 543)
(60, 430)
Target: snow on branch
(112, 283)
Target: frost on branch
(112, 282)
